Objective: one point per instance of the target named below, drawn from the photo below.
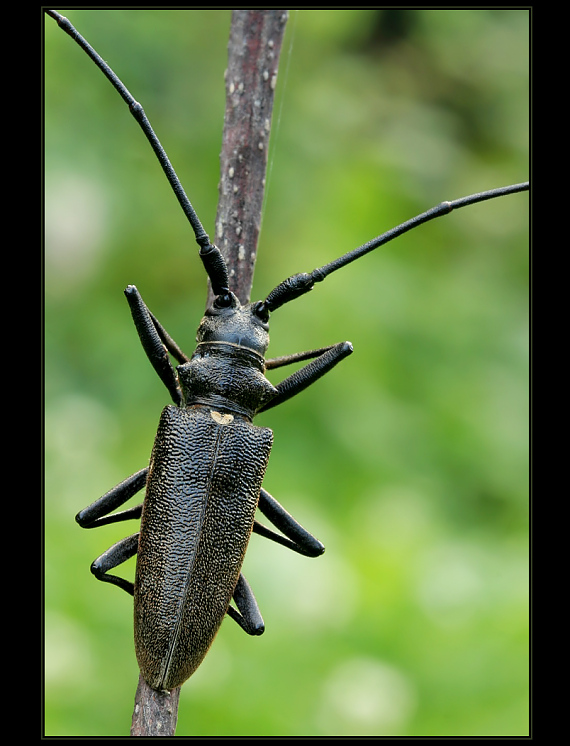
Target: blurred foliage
(409, 461)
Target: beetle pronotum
(368, 278)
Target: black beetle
(217, 347)
(203, 484)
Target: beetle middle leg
(97, 514)
(298, 539)
(324, 359)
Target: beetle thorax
(226, 371)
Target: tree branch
(155, 713)
(254, 47)
(253, 57)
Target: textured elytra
(202, 493)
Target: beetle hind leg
(248, 617)
(114, 556)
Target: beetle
(219, 425)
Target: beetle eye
(223, 301)
(260, 310)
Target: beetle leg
(298, 539)
(248, 617)
(296, 357)
(156, 343)
(114, 556)
(307, 375)
(96, 514)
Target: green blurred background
(409, 461)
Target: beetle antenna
(211, 256)
(298, 285)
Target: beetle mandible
(209, 401)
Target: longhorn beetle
(281, 295)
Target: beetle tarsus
(248, 617)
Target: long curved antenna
(298, 285)
(209, 253)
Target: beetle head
(226, 320)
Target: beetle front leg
(248, 617)
(326, 359)
(114, 556)
(156, 343)
(298, 538)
